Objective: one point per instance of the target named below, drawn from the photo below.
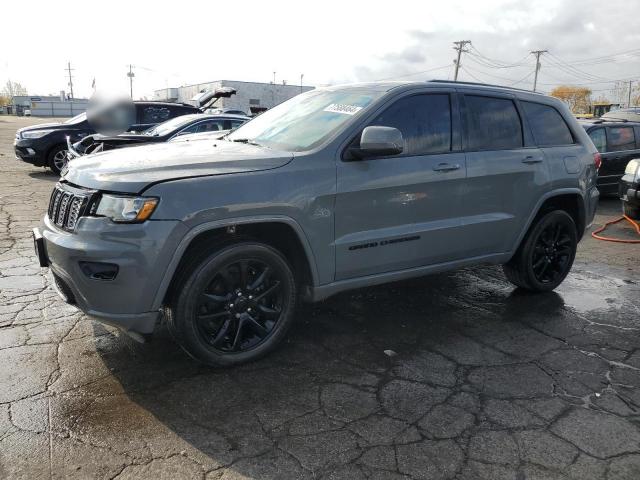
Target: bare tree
(12, 89)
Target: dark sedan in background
(184, 125)
(618, 142)
(45, 145)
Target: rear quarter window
(547, 125)
(492, 123)
(621, 138)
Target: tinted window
(547, 125)
(493, 123)
(155, 114)
(621, 138)
(424, 120)
(599, 139)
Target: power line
(459, 47)
(412, 74)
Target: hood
(130, 170)
(43, 126)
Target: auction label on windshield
(343, 108)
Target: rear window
(155, 114)
(547, 125)
(621, 138)
(492, 123)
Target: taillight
(597, 159)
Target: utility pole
(130, 74)
(629, 104)
(274, 78)
(70, 78)
(301, 77)
(459, 46)
(537, 53)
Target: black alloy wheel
(234, 304)
(546, 254)
(241, 306)
(552, 253)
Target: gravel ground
(479, 381)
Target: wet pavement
(478, 380)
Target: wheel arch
(282, 233)
(570, 200)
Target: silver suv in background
(338, 188)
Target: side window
(493, 123)
(621, 138)
(424, 120)
(154, 114)
(599, 139)
(236, 123)
(547, 125)
(212, 126)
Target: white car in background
(215, 131)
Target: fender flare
(544, 198)
(227, 222)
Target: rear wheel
(57, 159)
(546, 254)
(233, 305)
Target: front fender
(228, 222)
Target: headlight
(633, 169)
(35, 133)
(126, 209)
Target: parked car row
(48, 144)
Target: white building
(250, 97)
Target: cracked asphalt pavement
(479, 381)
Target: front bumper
(27, 151)
(141, 252)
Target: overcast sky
(186, 42)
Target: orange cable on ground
(618, 240)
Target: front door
(399, 212)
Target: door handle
(446, 167)
(531, 159)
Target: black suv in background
(618, 142)
(46, 144)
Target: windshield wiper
(246, 140)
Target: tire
(631, 211)
(246, 287)
(54, 159)
(546, 253)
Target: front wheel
(233, 305)
(57, 159)
(546, 254)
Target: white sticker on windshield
(343, 108)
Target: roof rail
(485, 85)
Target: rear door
(402, 211)
(506, 172)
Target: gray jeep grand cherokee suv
(338, 188)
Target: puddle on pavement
(590, 292)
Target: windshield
(306, 120)
(77, 119)
(168, 126)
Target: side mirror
(380, 141)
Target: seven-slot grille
(66, 207)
